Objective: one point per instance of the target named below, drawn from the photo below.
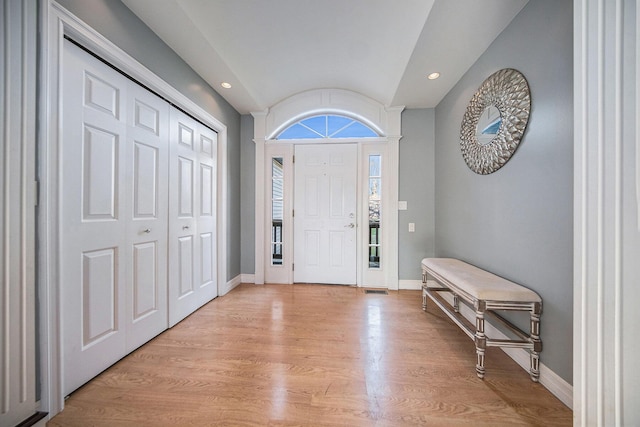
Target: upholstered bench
(485, 292)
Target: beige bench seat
(486, 293)
(476, 283)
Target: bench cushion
(475, 282)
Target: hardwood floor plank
(312, 355)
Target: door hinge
(293, 212)
(294, 159)
(293, 267)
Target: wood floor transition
(312, 355)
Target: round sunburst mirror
(494, 121)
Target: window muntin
(375, 201)
(277, 210)
(327, 126)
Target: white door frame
(55, 23)
(385, 120)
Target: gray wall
(116, 22)
(517, 222)
(248, 195)
(417, 188)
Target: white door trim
(55, 23)
(385, 120)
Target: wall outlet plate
(402, 205)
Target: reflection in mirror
(488, 125)
(277, 209)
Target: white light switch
(412, 227)
(402, 205)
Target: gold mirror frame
(508, 91)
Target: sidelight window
(375, 200)
(277, 209)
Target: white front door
(325, 213)
(114, 216)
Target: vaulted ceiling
(384, 49)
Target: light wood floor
(312, 355)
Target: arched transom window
(327, 126)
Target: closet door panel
(99, 174)
(114, 219)
(185, 266)
(99, 295)
(145, 272)
(185, 188)
(146, 188)
(207, 208)
(192, 216)
(93, 244)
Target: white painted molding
(333, 101)
(56, 22)
(231, 285)
(548, 378)
(410, 284)
(18, 73)
(606, 232)
(248, 278)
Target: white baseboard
(230, 285)
(248, 278)
(549, 379)
(410, 284)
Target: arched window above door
(327, 126)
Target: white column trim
(17, 222)
(259, 126)
(601, 118)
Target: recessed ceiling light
(226, 85)
(433, 76)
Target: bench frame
(486, 308)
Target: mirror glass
(488, 125)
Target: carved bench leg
(480, 339)
(537, 344)
(424, 292)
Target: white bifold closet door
(192, 210)
(114, 216)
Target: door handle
(147, 230)
(185, 227)
(350, 225)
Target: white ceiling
(270, 50)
